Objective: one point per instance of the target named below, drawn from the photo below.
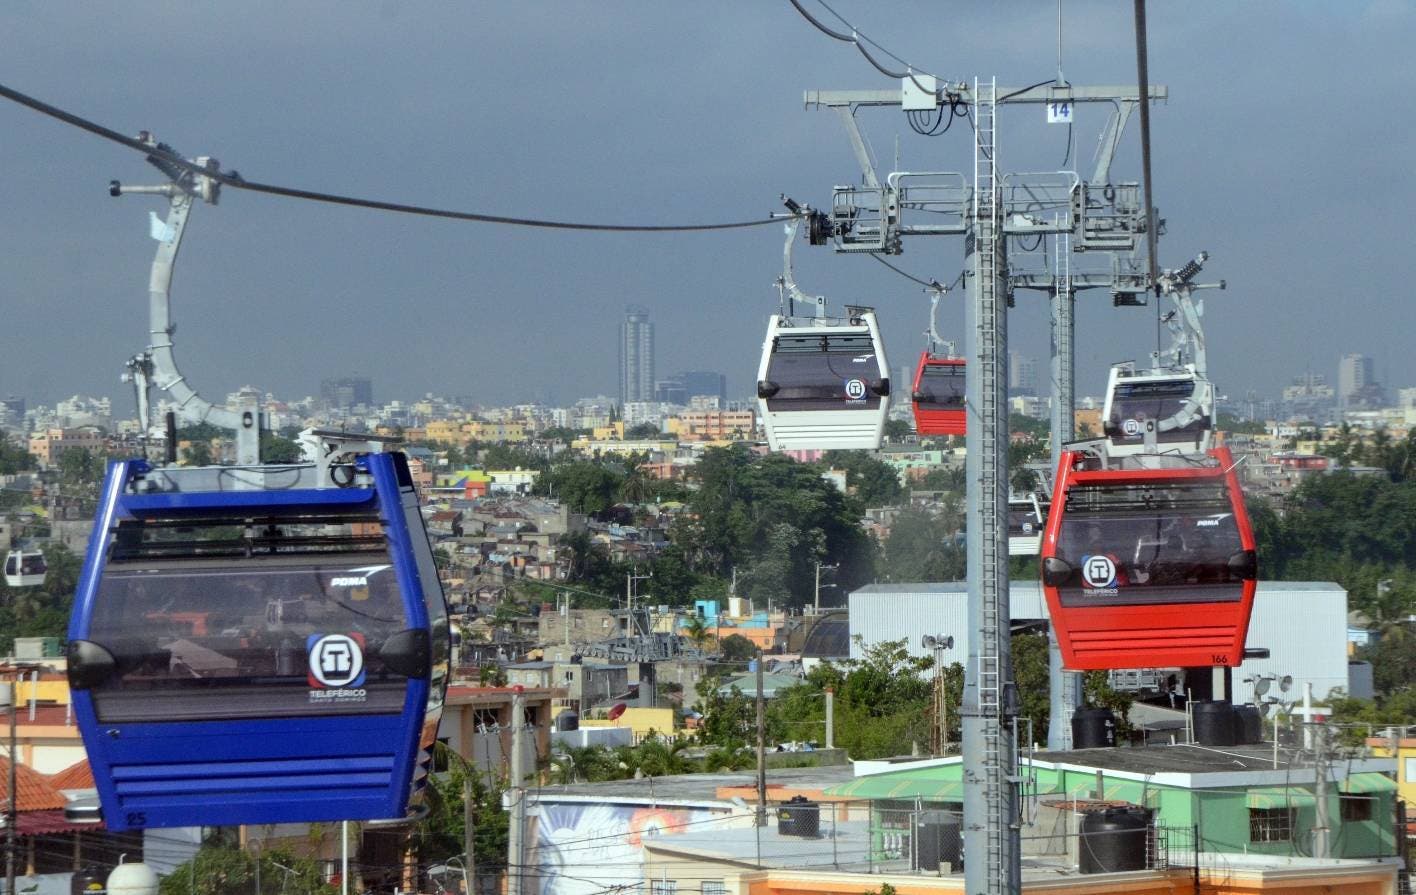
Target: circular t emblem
(1131, 427)
(1099, 571)
(855, 389)
(336, 660)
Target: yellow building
(1402, 746)
(500, 431)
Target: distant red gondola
(938, 395)
(1149, 565)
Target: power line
(236, 181)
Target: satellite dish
(616, 710)
(1285, 683)
(1263, 709)
(1261, 686)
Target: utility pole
(11, 815)
(830, 717)
(469, 818)
(515, 849)
(1321, 757)
(761, 819)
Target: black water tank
(939, 841)
(1113, 840)
(567, 720)
(1215, 723)
(89, 881)
(1249, 725)
(1093, 729)
(799, 817)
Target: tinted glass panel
(1149, 544)
(818, 372)
(941, 388)
(253, 637)
(1135, 403)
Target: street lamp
(816, 601)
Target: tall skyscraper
(636, 356)
(1357, 385)
(342, 394)
(1022, 374)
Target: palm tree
(696, 630)
(636, 486)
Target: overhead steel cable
(858, 40)
(236, 181)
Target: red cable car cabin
(938, 395)
(1149, 568)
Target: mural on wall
(589, 849)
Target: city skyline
(522, 315)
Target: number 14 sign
(1059, 112)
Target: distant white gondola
(1027, 517)
(25, 568)
(824, 382)
(1171, 409)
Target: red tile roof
(33, 790)
(76, 776)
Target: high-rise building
(1022, 374)
(342, 394)
(1357, 385)
(636, 356)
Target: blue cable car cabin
(253, 646)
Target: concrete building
(636, 356)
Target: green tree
(737, 648)
(923, 546)
(441, 835)
(727, 719)
(583, 486)
(635, 486)
(874, 482)
(643, 430)
(898, 431)
(14, 458)
(198, 453)
(80, 468)
(221, 869)
(277, 448)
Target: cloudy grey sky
(1285, 150)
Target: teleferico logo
(336, 660)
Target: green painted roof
(901, 786)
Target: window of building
(485, 719)
(1355, 807)
(663, 887)
(1271, 824)
(714, 887)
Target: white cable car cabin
(1027, 517)
(25, 568)
(1158, 410)
(824, 382)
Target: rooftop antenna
(156, 365)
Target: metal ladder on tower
(990, 662)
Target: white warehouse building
(1302, 624)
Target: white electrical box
(914, 99)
